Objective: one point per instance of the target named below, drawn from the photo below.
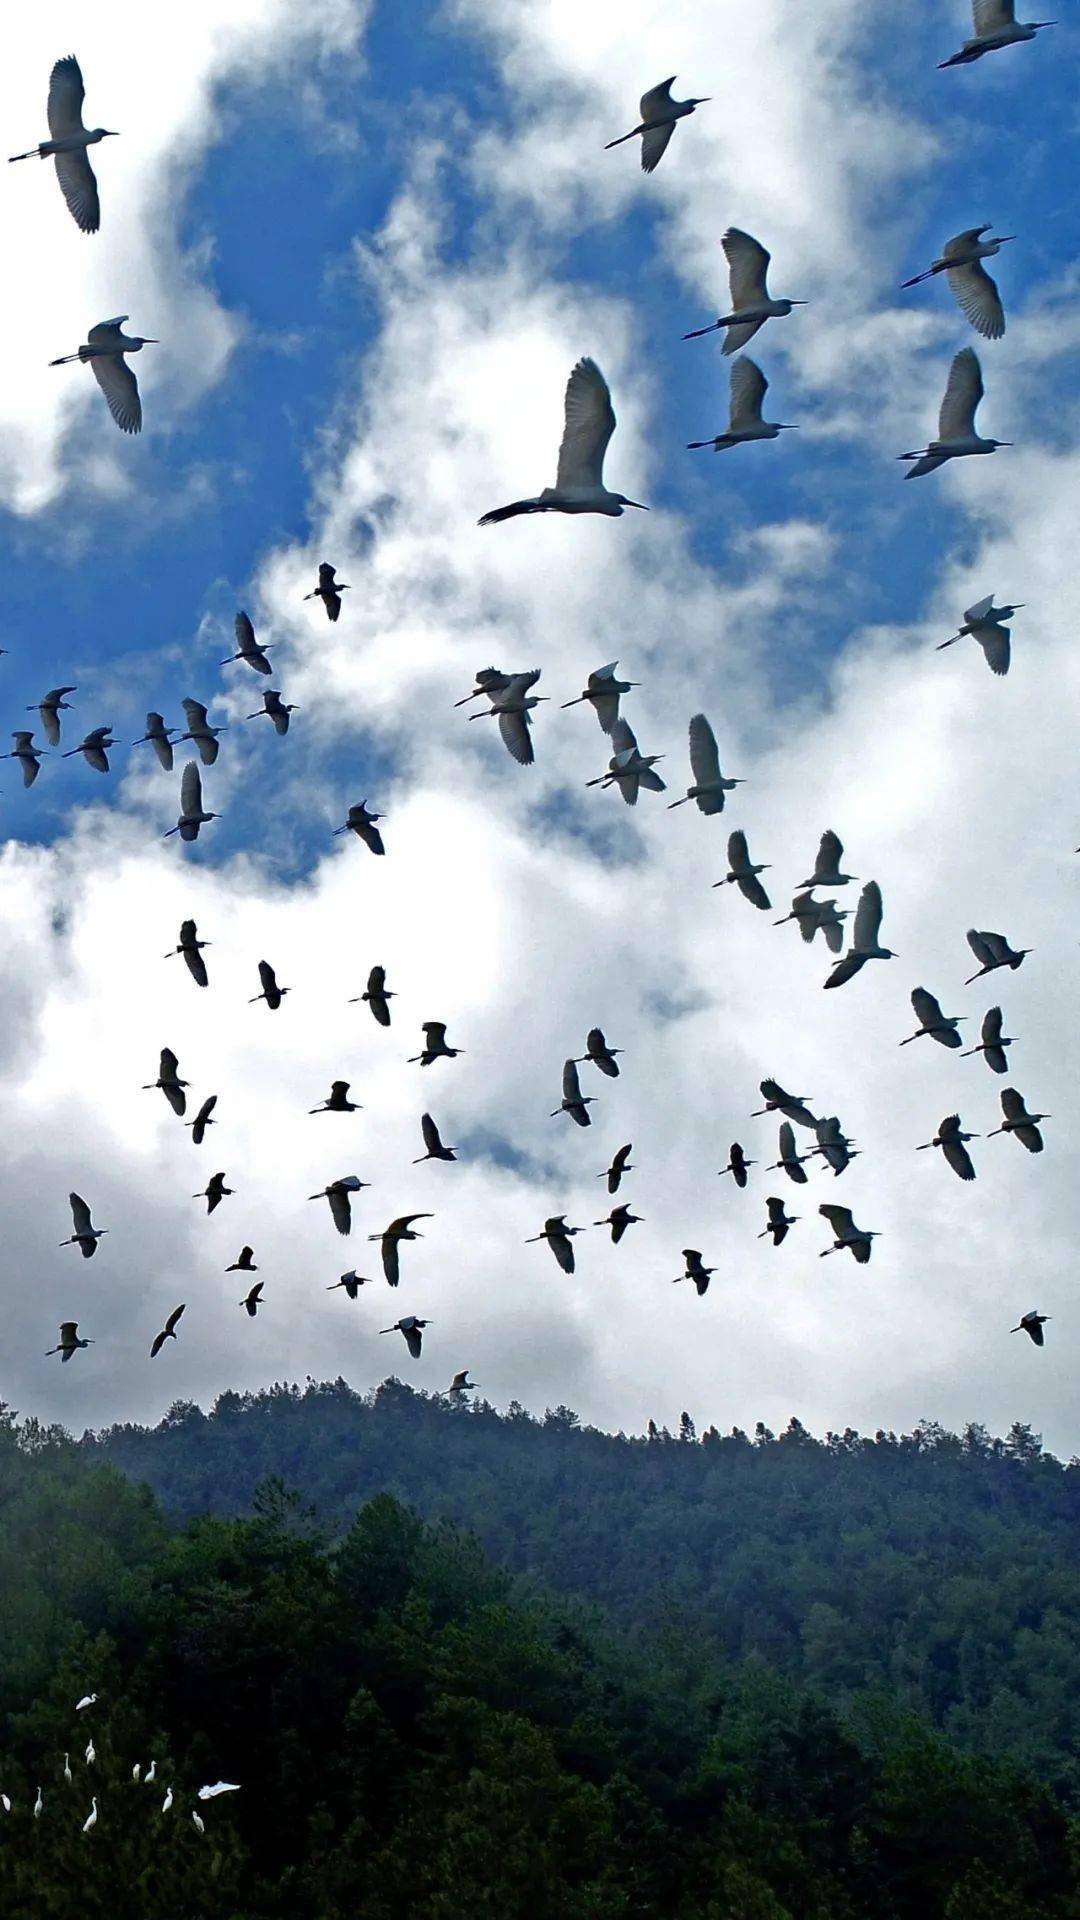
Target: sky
(372, 242)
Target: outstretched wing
(623, 738)
(173, 1319)
(980, 947)
(829, 854)
(977, 295)
(78, 184)
(589, 425)
(654, 145)
(340, 1207)
(66, 95)
(191, 790)
(997, 650)
(80, 1215)
(1012, 1103)
(657, 100)
(991, 15)
(868, 918)
(748, 389)
(927, 1008)
(514, 728)
(748, 264)
(963, 391)
(571, 1085)
(704, 753)
(991, 1027)
(120, 387)
(840, 1219)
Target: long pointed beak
(644, 509)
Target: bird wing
(748, 264)
(194, 714)
(958, 1158)
(991, 1027)
(927, 1008)
(414, 1337)
(326, 576)
(751, 889)
(571, 1085)
(191, 790)
(267, 977)
(963, 391)
(1012, 1103)
(589, 425)
(68, 1332)
(430, 1132)
(1000, 949)
(173, 1319)
(66, 95)
(514, 728)
(340, 1207)
(829, 854)
(997, 650)
(787, 1140)
(391, 1264)
(990, 15)
(606, 708)
(563, 1249)
(868, 918)
(976, 293)
(845, 969)
(738, 853)
(654, 145)
(657, 99)
(80, 1214)
(980, 947)
(623, 738)
(840, 1219)
(748, 389)
(119, 385)
(206, 1109)
(78, 184)
(434, 1032)
(704, 753)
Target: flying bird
(619, 1219)
(589, 422)
(93, 749)
(84, 1234)
(252, 1300)
(865, 944)
(857, 1240)
(489, 681)
(337, 1100)
(751, 303)
(817, 916)
(67, 144)
(986, 624)
(939, 1026)
(275, 709)
(710, 787)
(204, 736)
(214, 1192)
(352, 1283)
(743, 872)
(271, 992)
(1019, 1122)
(747, 388)
(956, 435)
(992, 1042)
(573, 1102)
(158, 736)
(659, 113)
(600, 1054)
(203, 1119)
(1032, 1324)
(833, 1144)
(511, 706)
(827, 864)
(168, 1331)
(28, 756)
(193, 814)
(460, 1384)
(992, 950)
(329, 590)
(790, 1161)
(170, 1082)
(69, 1343)
(620, 1164)
(629, 768)
(996, 26)
(104, 350)
(362, 822)
(792, 1105)
(339, 1194)
(695, 1271)
(433, 1145)
(435, 1047)
(558, 1236)
(950, 1137)
(413, 1330)
(603, 692)
(192, 949)
(780, 1222)
(390, 1240)
(969, 283)
(245, 1263)
(737, 1164)
(377, 995)
(49, 708)
(247, 647)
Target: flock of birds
(589, 422)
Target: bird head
(105, 133)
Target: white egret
(413, 1331)
(511, 706)
(659, 113)
(780, 1221)
(600, 1054)
(579, 480)
(620, 1164)
(833, 1144)
(1018, 1121)
(996, 26)
(1032, 1324)
(743, 872)
(434, 1148)
(629, 769)
(858, 1240)
(203, 1119)
(248, 648)
(619, 1219)
(276, 709)
(827, 864)
(68, 1776)
(710, 787)
(245, 1263)
(992, 1042)
(158, 736)
(574, 1102)
(91, 1819)
(992, 950)
(986, 624)
(168, 1800)
(104, 350)
(956, 435)
(460, 1385)
(38, 1804)
(390, 1240)
(49, 708)
(969, 283)
(91, 1752)
(939, 1026)
(603, 692)
(329, 590)
(339, 1194)
(748, 389)
(28, 756)
(950, 1137)
(817, 916)
(218, 1787)
(84, 1234)
(93, 749)
(558, 1236)
(204, 736)
(737, 1164)
(168, 1331)
(67, 144)
(192, 949)
(151, 1774)
(193, 814)
(337, 1100)
(865, 944)
(252, 1300)
(197, 1821)
(751, 303)
(361, 821)
(88, 1699)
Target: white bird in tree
(745, 421)
(579, 479)
(695, 1271)
(193, 814)
(67, 144)
(68, 1775)
(710, 787)
(104, 350)
(329, 590)
(361, 821)
(49, 709)
(88, 1699)
(434, 1149)
(780, 1222)
(512, 706)
(39, 1804)
(603, 692)
(204, 736)
(197, 1821)
(413, 1331)
(84, 1234)
(1018, 1121)
(939, 1026)
(558, 1236)
(996, 26)
(792, 1105)
(751, 303)
(619, 1219)
(377, 995)
(969, 283)
(992, 950)
(986, 624)
(573, 1102)
(337, 1100)
(659, 112)
(91, 1752)
(833, 1144)
(600, 1054)
(435, 1047)
(192, 949)
(168, 1331)
(817, 916)
(151, 1774)
(460, 1385)
(170, 1082)
(271, 992)
(956, 435)
(28, 756)
(339, 1194)
(737, 1164)
(158, 736)
(629, 768)
(275, 709)
(203, 1119)
(390, 1240)
(791, 1161)
(1032, 1324)
(214, 1192)
(93, 749)
(743, 872)
(91, 1819)
(248, 648)
(168, 1800)
(865, 944)
(827, 864)
(858, 1240)
(992, 1042)
(950, 1137)
(620, 1164)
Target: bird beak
(644, 509)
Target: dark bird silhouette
(377, 996)
(28, 756)
(271, 992)
(700, 1275)
(413, 1330)
(737, 1164)
(434, 1148)
(390, 1242)
(1018, 1121)
(790, 1160)
(168, 1331)
(939, 1026)
(339, 1194)
(245, 1263)
(558, 1236)
(780, 1222)
(792, 1105)
(247, 647)
(992, 1042)
(158, 736)
(276, 709)
(68, 142)
(337, 1100)
(600, 1054)
(618, 1220)
(93, 749)
(214, 1192)
(203, 1119)
(70, 1342)
(252, 1300)
(84, 1234)
(489, 681)
(361, 821)
(193, 814)
(352, 1283)
(329, 590)
(603, 693)
(435, 1047)
(170, 1082)
(620, 1164)
(460, 1384)
(200, 732)
(49, 708)
(858, 1240)
(573, 1102)
(192, 949)
(833, 1144)
(743, 872)
(1030, 1323)
(992, 950)
(950, 1138)
(865, 944)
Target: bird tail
(692, 446)
(32, 155)
(509, 513)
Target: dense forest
(935, 1570)
(411, 1734)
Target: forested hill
(936, 1569)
